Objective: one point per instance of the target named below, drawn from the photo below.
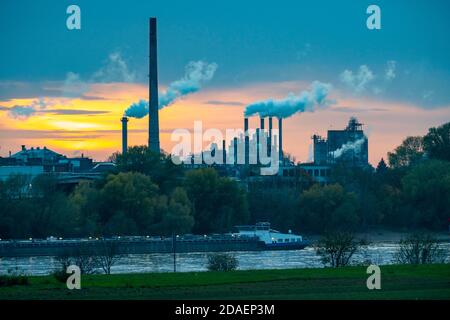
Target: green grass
(397, 282)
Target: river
(380, 254)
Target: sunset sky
(67, 90)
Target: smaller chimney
(262, 123)
(235, 155)
(247, 145)
(224, 152)
(258, 130)
(280, 134)
(124, 135)
(269, 143)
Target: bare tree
(108, 255)
(82, 256)
(86, 261)
(420, 248)
(336, 249)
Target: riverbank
(397, 282)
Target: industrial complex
(348, 146)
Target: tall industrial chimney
(124, 135)
(153, 130)
(235, 150)
(224, 152)
(280, 134)
(258, 130)
(269, 143)
(259, 143)
(246, 137)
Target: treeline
(149, 195)
(412, 193)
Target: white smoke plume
(351, 145)
(196, 74)
(114, 70)
(357, 81)
(308, 100)
(389, 74)
(137, 110)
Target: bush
(9, 281)
(222, 262)
(337, 249)
(61, 275)
(420, 248)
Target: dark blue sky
(251, 41)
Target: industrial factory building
(35, 161)
(349, 146)
(49, 160)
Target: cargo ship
(256, 237)
(272, 239)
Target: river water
(380, 254)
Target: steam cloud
(390, 70)
(307, 100)
(196, 74)
(357, 81)
(137, 110)
(352, 145)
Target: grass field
(397, 282)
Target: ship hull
(286, 246)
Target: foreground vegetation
(397, 282)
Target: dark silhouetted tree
(410, 152)
(437, 142)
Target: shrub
(9, 281)
(61, 275)
(222, 262)
(420, 248)
(337, 249)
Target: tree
(327, 208)
(390, 206)
(158, 166)
(53, 213)
(437, 142)
(419, 248)
(410, 152)
(218, 203)
(86, 198)
(108, 255)
(426, 189)
(130, 204)
(381, 167)
(178, 218)
(336, 249)
(277, 205)
(82, 256)
(16, 207)
(363, 184)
